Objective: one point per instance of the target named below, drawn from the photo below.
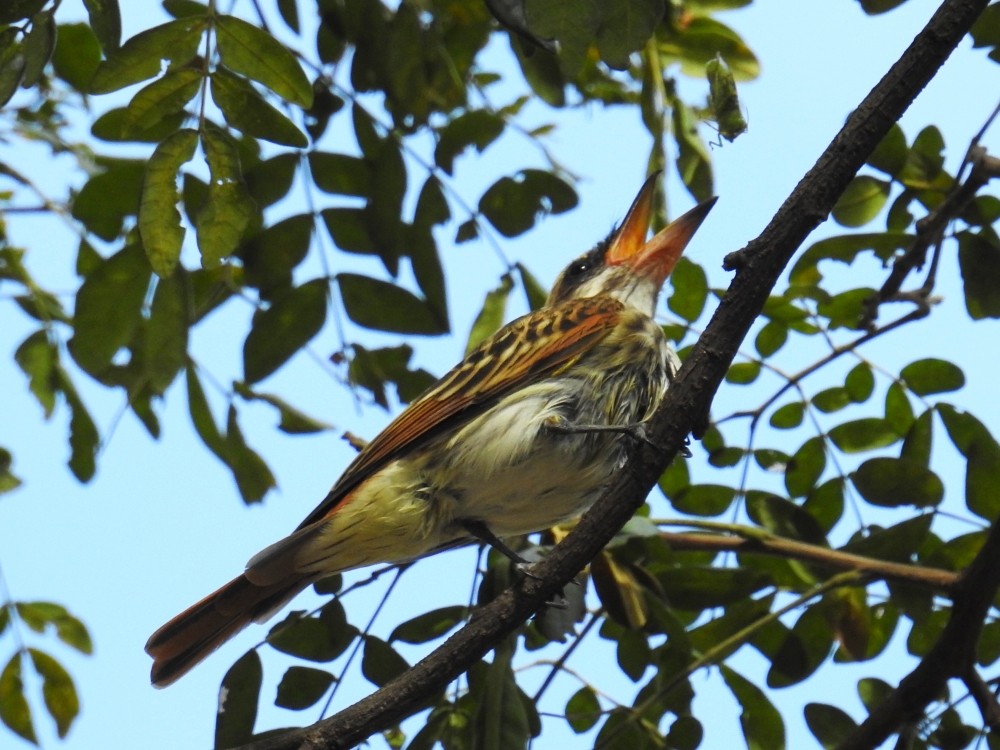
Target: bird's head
(624, 265)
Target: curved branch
(759, 264)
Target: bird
(521, 435)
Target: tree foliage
(275, 138)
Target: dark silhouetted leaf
(829, 724)
(340, 173)
(927, 376)
(892, 482)
(788, 416)
(238, 698)
(513, 204)
(980, 448)
(108, 308)
(979, 261)
(863, 435)
(252, 475)
(762, 724)
(301, 687)
(285, 327)
(703, 499)
(377, 304)
(806, 467)
(430, 625)
(583, 710)
(380, 662)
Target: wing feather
(530, 347)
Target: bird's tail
(200, 629)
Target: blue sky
(161, 524)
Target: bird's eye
(579, 266)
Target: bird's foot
(635, 430)
(482, 532)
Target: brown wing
(530, 347)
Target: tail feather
(200, 629)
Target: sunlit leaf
(491, 316)
(248, 50)
(159, 219)
(14, 709)
(229, 208)
(246, 110)
(58, 690)
(142, 56)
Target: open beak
(656, 258)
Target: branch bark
(759, 265)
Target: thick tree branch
(760, 265)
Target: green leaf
(771, 338)
(860, 383)
(890, 154)
(703, 499)
(694, 163)
(512, 204)
(201, 416)
(829, 724)
(583, 710)
(108, 308)
(39, 44)
(830, 400)
(806, 467)
(477, 127)
(12, 62)
(491, 316)
(256, 54)
(142, 56)
(430, 625)
(159, 219)
(743, 373)
(8, 482)
(927, 376)
(979, 262)
(982, 477)
(164, 345)
(383, 306)
(160, 100)
(340, 173)
(106, 20)
(784, 518)
(58, 690)
(285, 327)
(252, 475)
(302, 687)
(14, 709)
(533, 290)
(246, 110)
(270, 257)
(762, 725)
(690, 290)
(380, 662)
(892, 482)
(83, 437)
(38, 358)
(239, 694)
(13, 11)
(788, 416)
(77, 55)
(863, 435)
(845, 249)
(503, 716)
(229, 209)
(319, 639)
(898, 411)
(861, 201)
(293, 421)
(698, 41)
(917, 443)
